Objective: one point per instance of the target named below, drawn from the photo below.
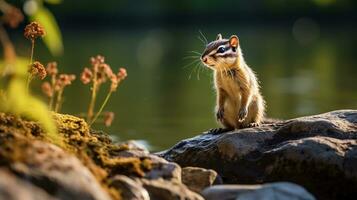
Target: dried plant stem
(92, 103)
(101, 107)
(29, 76)
(93, 98)
(51, 101)
(58, 100)
(53, 82)
(32, 49)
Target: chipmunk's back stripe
(214, 45)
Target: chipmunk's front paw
(243, 112)
(253, 124)
(220, 114)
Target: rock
(197, 179)
(46, 166)
(135, 145)
(273, 191)
(166, 170)
(160, 168)
(129, 189)
(85, 166)
(318, 152)
(160, 189)
(13, 188)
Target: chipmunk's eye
(221, 50)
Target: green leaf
(19, 67)
(53, 37)
(53, 1)
(19, 102)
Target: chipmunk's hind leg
(255, 113)
(225, 123)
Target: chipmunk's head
(221, 54)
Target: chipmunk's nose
(204, 59)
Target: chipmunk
(239, 102)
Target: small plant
(99, 73)
(15, 98)
(32, 32)
(54, 89)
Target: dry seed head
(72, 77)
(101, 77)
(52, 68)
(47, 89)
(34, 30)
(116, 79)
(106, 69)
(122, 74)
(38, 69)
(64, 80)
(86, 75)
(97, 60)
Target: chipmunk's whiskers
(194, 69)
(195, 52)
(204, 37)
(191, 63)
(191, 57)
(198, 69)
(194, 63)
(203, 42)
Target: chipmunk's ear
(234, 41)
(219, 37)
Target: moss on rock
(94, 149)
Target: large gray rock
(197, 179)
(273, 191)
(318, 152)
(14, 188)
(58, 173)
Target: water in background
(162, 101)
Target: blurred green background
(304, 52)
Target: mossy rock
(94, 149)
